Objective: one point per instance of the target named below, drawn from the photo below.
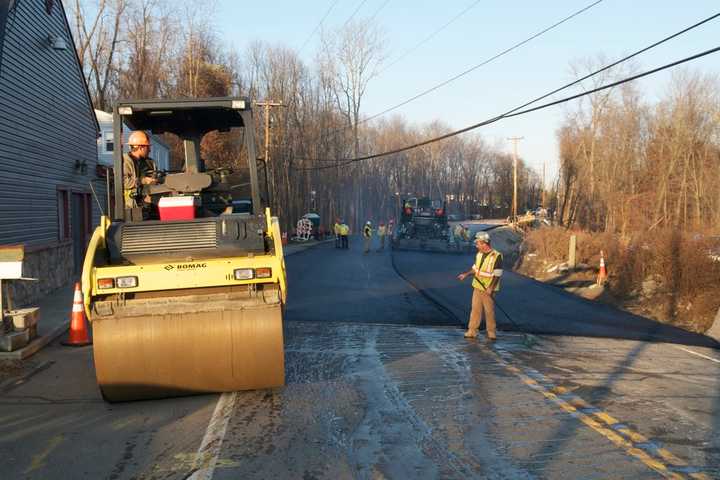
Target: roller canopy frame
(190, 120)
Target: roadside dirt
(665, 276)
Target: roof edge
(4, 11)
(91, 109)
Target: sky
(612, 28)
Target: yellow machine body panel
(187, 327)
(179, 275)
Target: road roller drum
(154, 356)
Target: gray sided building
(48, 153)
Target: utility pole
(267, 105)
(266, 157)
(515, 141)
(542, 201)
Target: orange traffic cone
(284, 238)
(602, 274)
(79, 336)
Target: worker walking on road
(336, 230)
(486, 272)
(381, 235)
(367, 236)
(344, 232)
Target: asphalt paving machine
(423, 226)
(190, 299)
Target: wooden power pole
(267, 105)
(515, 141)
(542, 200)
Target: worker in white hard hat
(486, 272)
(382, 232)
(138, 170)
(344, 232)
(367, 236)
(458, 234)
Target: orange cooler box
(177, 208)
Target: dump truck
(187, 297)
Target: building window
(108, 142)
(63, 209)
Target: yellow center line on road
(38, 461)
(633, 443)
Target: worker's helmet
(368, 223)
(138, 138)
(382, 224)
(482, 236)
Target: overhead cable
(355, 12)
(317, 27)
(513, 113)
(429, 37)
(609, 66)
(475, 67)
(372, 17)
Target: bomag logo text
(186, 266)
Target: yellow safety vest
(381, 231)
(337, 229)
(484, 275)
(367, 232)
(344, 230)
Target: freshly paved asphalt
(530, 306)
(381, 384)
(330, 284)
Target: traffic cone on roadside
(79, 335)
(284, 238)
(602, 273)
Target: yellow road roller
(184, 281)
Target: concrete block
(24, 318)
(14, 340)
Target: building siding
(46, 126)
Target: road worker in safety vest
(367, 236)
(382, 232)
(336, 230)
(344, 232)
(486, 272)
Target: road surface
(381, 384)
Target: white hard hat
(483, 237)
(368, 223)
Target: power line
(429, 37)
(317, 27)
(471, 69)
(516, 112)
(355, 12)
(605, 68)
(372, 17)
(483, 63)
